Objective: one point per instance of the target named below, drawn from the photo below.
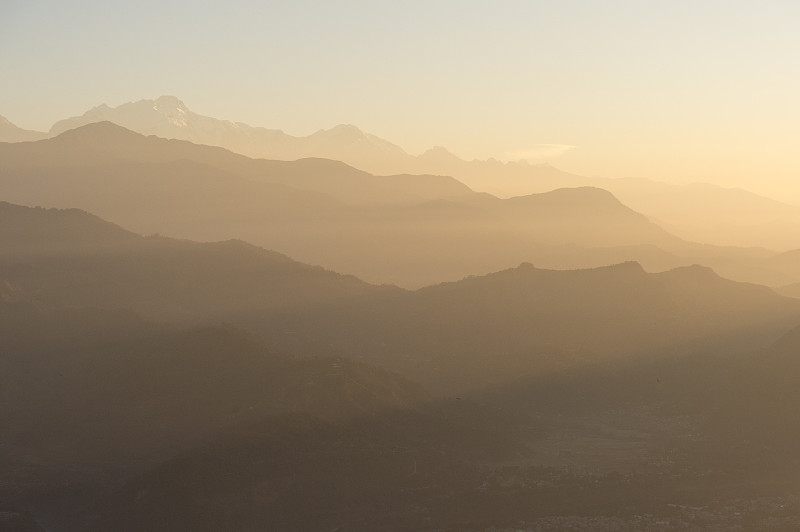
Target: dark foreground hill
(299, 473)
(144, 395)
(13, 521)
(670, 444)
(85, 406)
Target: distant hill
(708, 213)
(702, 212)
(168, 117)
(791, 290)
(527, 320)
(71, 258)
(28, 231)
(536, 318)
(584, 216)
(384, 229)
(785, 264)
(107, 143)
(11, 133)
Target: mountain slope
(484, 330)
(11, 133)
(383, 229)
(68, 257)
(168, 117)
(584, 216)
(713, 214)
(149, 394)
(474, 330)
(26, 231)
(297, 473)
(107, 143)
(702, 212)
(705, 431)
(90, 399)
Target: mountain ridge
(155, 185)
(527, 313)
(718, 215)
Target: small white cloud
(539, 152)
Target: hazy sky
(675, 90)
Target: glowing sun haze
(678, 91)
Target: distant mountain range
(410, 230)
(407, 230)
(701, 212)
(168, 117)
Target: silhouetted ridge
(171, 101)
(346, 131)
(97, 144)
(439, 154)
(98, 132)
(583, 192)
(528, 271)
(35, 228)
(319, 163)
(69, 257)
(11, 133)
(696, 272)
(703, 276)
(579, 201)
(235, 245)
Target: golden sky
(679, 91)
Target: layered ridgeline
(115, 421)
(412, 230)
(408, 230)
(527, 320)
(701, 212)
(468, 333)
(72, 258)
(94, 391)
